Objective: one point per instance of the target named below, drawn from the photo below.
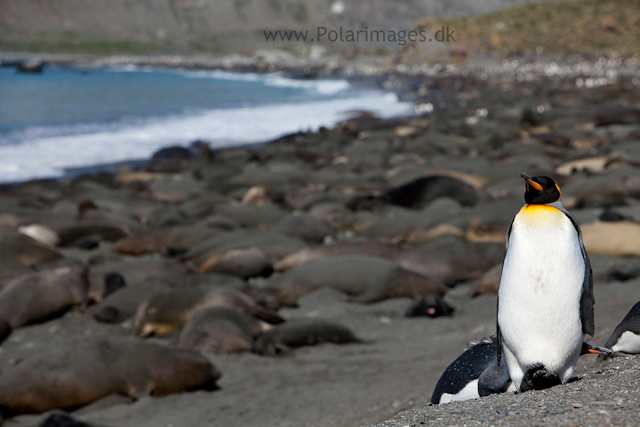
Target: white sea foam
(322, 86)
(47, 155)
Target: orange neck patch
(531, 215)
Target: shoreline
(277, 60)
(351, 184)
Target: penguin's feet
(537, 378)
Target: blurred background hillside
(224, 26)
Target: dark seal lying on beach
(74, 376)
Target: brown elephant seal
(302, 332)
(243, 262)
(443, 261)
(220, 330)
(612, 238)
(368, 248)
(304, 226)
(41, 295)
(490, 281)
(74, 376)
(5, 330)
(121, 305)
(19, 251)
(167, 311)
(135, 272)
(163, 240)
(364, 278)
(275, 245)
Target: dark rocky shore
(350, 224)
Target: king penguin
(626, 336)
(545, 300)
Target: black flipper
(587, 299)
(494, 379)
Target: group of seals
(364, 278)
(222, 330)
(170, 310)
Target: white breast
(540, 289)
(628, 343)
(470, 391)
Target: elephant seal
(443, 261)
(74, 376)
(163, 240)
(243, 262)
(420, 192)
(41, 295)
(364, 278)
(167, 311)
(612, 238)
(373, 248)
(489, 281)
(429, 305)
(302, 332)
(220, 330)
(19, 251)
(134, 271)
(304, 226)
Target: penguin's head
(541, 190)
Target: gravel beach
(429, 197)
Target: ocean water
(72, 118)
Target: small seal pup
(429, 305)
(626, 336)
(167, 311)
(220, 330)
(545, 300)
(280, 339)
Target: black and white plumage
(545, 301)
(626, 336)
(473, 374)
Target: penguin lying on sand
(626, 336)
(545, 301)
(475, 373)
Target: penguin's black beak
(531, 182)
